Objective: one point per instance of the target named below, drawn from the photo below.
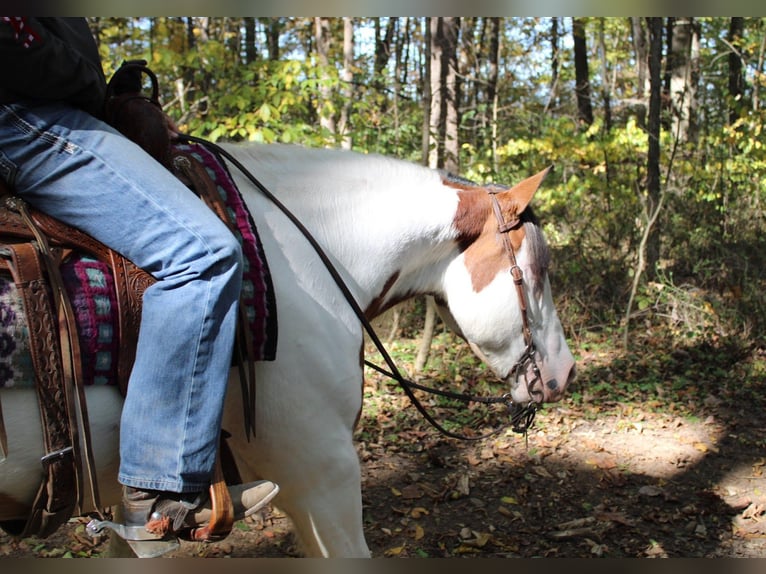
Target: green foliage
(594, 206)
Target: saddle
(33, 248)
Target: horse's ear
(521, 193)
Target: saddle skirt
(105, 300)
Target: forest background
(655, 206)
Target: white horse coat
(393, 230)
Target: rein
(522, 416)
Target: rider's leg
(76, 168)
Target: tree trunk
(494, 73)
(427, 91)
(683, 64)
(443, 132)
(452, 96)
(382, 50)
(653, 159)
(648, 249)
(555, 39)
(736, 79)
(443, 148)
(642, 57)
(322, 40)
(582, 74)
(344, 128)
(250, 51)
(273, 27)
(606, 95)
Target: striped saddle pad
(91, 289)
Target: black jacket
(51, 59)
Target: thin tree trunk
(322, 39)
(683, 88)
(443, 132)
(648, 250)
(606, 95)
(344, 128)
(555, 39)
(758, 75)
(582, 73)
(736, 79)
(494, 73)
(250, 52)
(427, 92)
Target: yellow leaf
(396, 551)
(418, 532)
(418, 511)
(395, 492)
(509, 500)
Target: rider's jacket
(50, 59)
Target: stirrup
(247, 499)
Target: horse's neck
(387, 222)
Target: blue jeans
(79, 170)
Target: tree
(344, 124)
(582, 73)
(443, 130)
(555, 59)
(444, 144)
(492, 93)
(648, 251)
(324, 100)
(736, 77)
(683, 65)
(653, 155)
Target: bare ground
(647, 458)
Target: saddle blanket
(90, 286)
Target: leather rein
(522, 416)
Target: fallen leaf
(396, 551)
(418, 511)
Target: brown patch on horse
(379, 304)
(477, 226)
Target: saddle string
(522, 416)
(74, 389)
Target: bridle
(521, 416)
(527, 359)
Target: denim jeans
(74, 167)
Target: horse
(393, 230)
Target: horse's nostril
(552, 385)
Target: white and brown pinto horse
(394, 230)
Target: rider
(61, 157)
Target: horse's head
(485, 294)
